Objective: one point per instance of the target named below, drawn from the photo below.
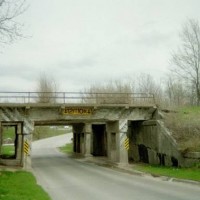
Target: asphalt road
(65, 178)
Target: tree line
(182, 84)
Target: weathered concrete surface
(152, 143)
(28, 116)
(48, 115)
(101, 132)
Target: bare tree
(46, 89)
(175, 91)
(147, 84)
(137, 90)
(10, 29)
(186, 60)
(111, 92)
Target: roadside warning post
(26, 147)
(126, 144)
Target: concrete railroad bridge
(124, 127)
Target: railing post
(96, 96)
(154, 100)
(64, 97)
(28, 97)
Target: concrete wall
(112, 129)
(151, 142)
(19, 153)
(88, 139)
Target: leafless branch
(186, 60)
(10, 29)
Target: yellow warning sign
(26, 147)
(78, 111)
(126, 144)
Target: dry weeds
(185, 128)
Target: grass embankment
(8, 137)
(9, 132)
(7, 151)
(68, 148)
(185, 128)
(20, 185)
(42, 132)
(180, 173)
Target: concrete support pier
(122, 136)
(88, 139)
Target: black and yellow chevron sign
(26, 147)
(126, 144)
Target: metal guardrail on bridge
(76, 98)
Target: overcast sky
(85, 42)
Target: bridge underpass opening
(87, 138)
(99, 140)
(44, 138)
(8, 142)
(45, 131)
(79, 138)
(11, 140)
(77, 130)
(138, 152)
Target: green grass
(185, 127)
(68, 148)
(42, 132)
(20, 185)
(194, 110)
(181, 173)
(8, 150)
(9, 132)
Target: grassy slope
(20, 186)
(9, 132)
(68, 148)
(45, 132)
(7, 150)
(185, 127)
(181, 173)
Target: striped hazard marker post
(26, 153)
(26, 147)
(126, 144)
